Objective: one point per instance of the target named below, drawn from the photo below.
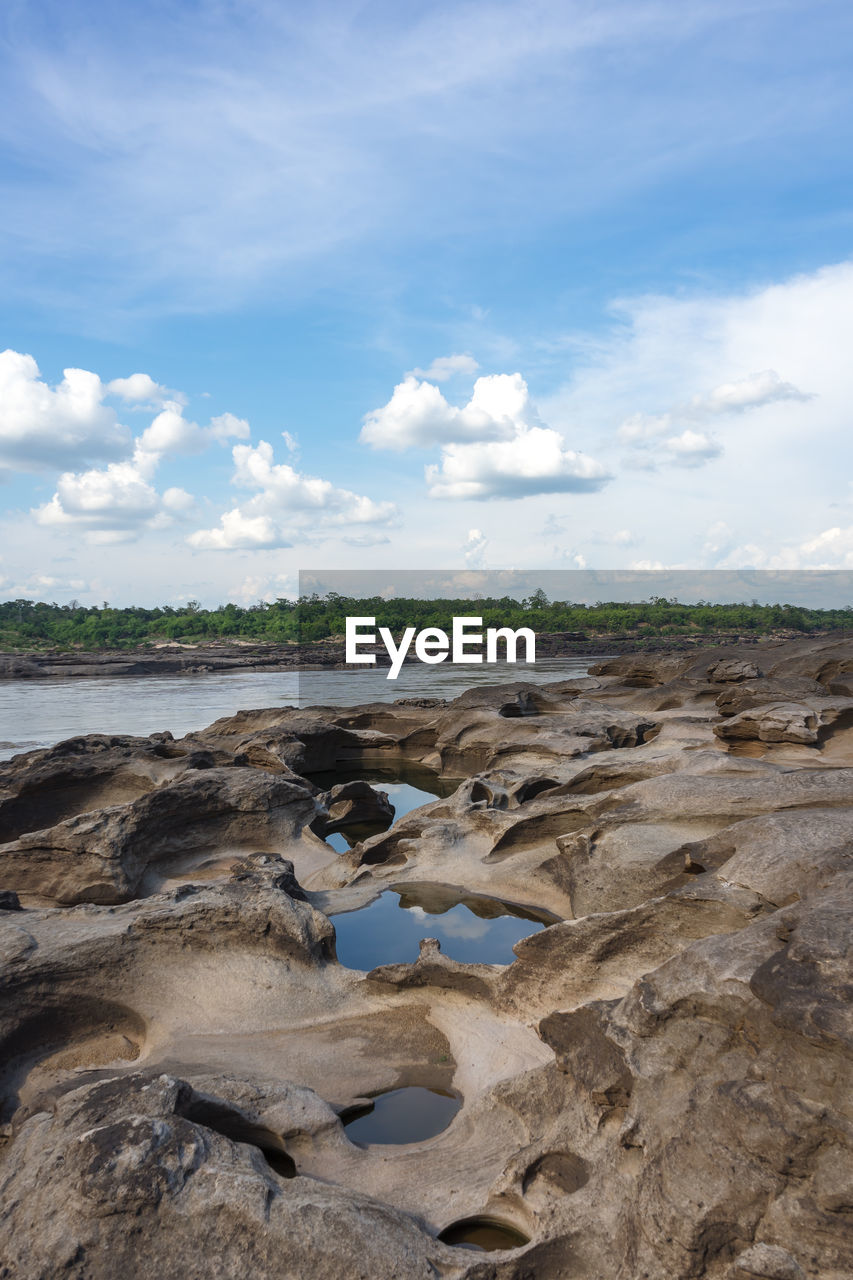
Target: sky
(488, 285)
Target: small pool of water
(470, 927)
(412, 1114)
(407, 787)
(485, 1235)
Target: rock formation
(658, 1088)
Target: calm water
(37, 713)
(412, 1114)
(424, 787)
(471, 928)
(483, 1235)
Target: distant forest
(25, 624)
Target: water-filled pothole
(408, 786)
(411, 1114)
(471, 928)
(485, 1235)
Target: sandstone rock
(796, 722)
(658, 1086)
(103, 856)
(117, 1176)
(767, 1260)
(353, 804)
(732, 670)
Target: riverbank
(185, 659)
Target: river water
(40, 712)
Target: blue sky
(500, 285)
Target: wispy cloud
(206, 148)
(445, 367)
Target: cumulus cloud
(72, 424)
(226, 426)
(50, 427)
(170, 433)
(285, 501)
(117, 502)
(536, 461)
(140, 388)
(418, 415)
(495, 446)
(691, 448)
(118, 499)
(445, 367)
(239, 530)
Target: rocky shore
(168, 659)
(185, 659)
(657, 1088)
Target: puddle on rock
(411, 1114)
(485, 1235)
(471, 928)
(408, 786)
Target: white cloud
(621, 538)
(494, 447)
(117, 502)
(49, 427)
(139, 388)
(240, 531)
(418, 416)
(534, 462)
(113, 498)
(833, 546)
(282, 488)
(445, 367)
(170, 432)
(656, 438)
(691, 448)
(268, 589)
(44, 427)
(749, 393)
(475, 548)
(111, 503)
(228, 427)
(830, 549)
(178, 500)
(286, 502)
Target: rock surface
(658, 1088)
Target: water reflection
(407, 785)
(471, 928)
(412, 1114)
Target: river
(39, 712)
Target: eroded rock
(658, 1086)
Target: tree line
(28, 624)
